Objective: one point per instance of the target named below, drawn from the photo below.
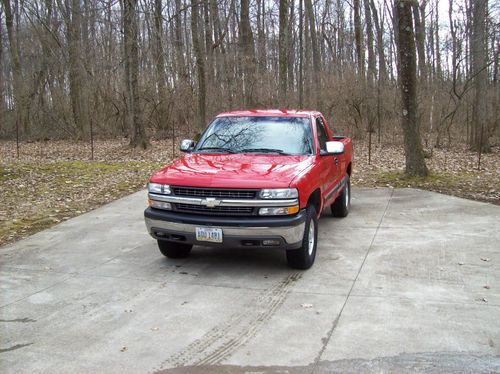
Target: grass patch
(38, 195)
(468, 184)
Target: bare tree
(369, 41)
(415, 163)
(131, 57)
(380, 42)
(77, 81)
(2, 84)
(248, 52)
(200, 65)
(439, 73)
(301, 54)
(360, 50)
(420, 38)
(178, 43)
(315, 50)
(19, 91)
(159, 59)
(283, 49)
(479, 65)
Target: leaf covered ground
(53, 181)
(452, 171)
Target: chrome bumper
(290, 234)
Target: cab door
(329, 163)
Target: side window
(322, 135)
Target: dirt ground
(53, 181)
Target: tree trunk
(340, 36)
(369, 41)
(200, 65)
(283, 51)
(22, 116)
(290, 50)
(134, 112)
(209, 42)
(382, 67)
(261, 37)
(415, 163)
(316, 58)
(77, 80)
(301, 54)
(480, 74)
(248, 53)
(161, 77)
(179, 55)
(360, 51)
(420, 39)
(437, 43)
(2, 84)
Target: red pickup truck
(257, 178)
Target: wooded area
(158, 68)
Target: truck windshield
(278, 135)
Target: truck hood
(233, 170)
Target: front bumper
(237, 232)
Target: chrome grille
(218, 210)
(214, 192)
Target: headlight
(279, 193)
(281, 211)
(159, 188)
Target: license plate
(205, 234)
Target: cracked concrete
(409, 281)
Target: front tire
(342, 204)
(174, 250)
(303, 258)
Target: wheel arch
(315, 200)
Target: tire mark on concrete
(271, 302)
(22, 320)
(225, 338)
(14, 347)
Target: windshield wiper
(266, 150)
(227, 150)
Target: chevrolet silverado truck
(256, 178)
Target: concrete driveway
(410, 280)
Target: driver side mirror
(334, 148)
(187, 145)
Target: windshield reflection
(278, 135)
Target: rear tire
(342, 204)
(174, 250)
(303, 258)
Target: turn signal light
(281, 211)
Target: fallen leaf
(123, 349)
(307, 306)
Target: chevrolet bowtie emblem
(210, 202)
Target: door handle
(336, 160)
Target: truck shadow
(251, 257)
